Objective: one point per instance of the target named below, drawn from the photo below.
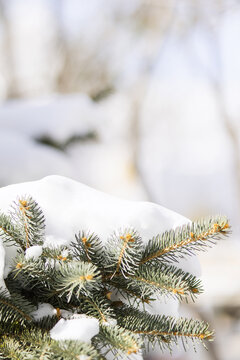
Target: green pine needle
(77, 277)
(37, 345)
(9, 232)
(27, 213)
(163, 329)
(15, 311)
(96, 305)
(88, 247)
(58, 254)
(119, 340)
(123, 253)
(86, 277)
(183, 241)
(160, 279)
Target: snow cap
(82, 329)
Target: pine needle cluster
(90, 277)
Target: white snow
(70, 206)
(83, 357)
(43, 310)
(75, 329)
(66, 314)
(64, 253)
(111, 356)
(54, 241)
(33, 252)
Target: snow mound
(70, 206)
(33, 252)
(43, 310)
(75, 329)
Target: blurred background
(140, 99)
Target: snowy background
(139, 99)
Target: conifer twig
(185, 240)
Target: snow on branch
(93, 290)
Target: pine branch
(27, 213)
(183, 241)
(36, 278)
(98, 306)
(131, 289)
(69, 350)
(46, 323)
(58, 254)
(78, 278)
(160, 279)
(9, 232)
(32, 274)
(123, 253)
(81, 279)
(38, 345)
(14, 311)
(11, 349)
(116, 337)
(163, 329)
(56, 284)
(88, 247)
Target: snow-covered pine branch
(88, 296)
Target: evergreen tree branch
(58, 254)
(163, 328)
(98, 306)
(46, 323)
(123, 253)
(165, 280)
(173, 244)
(38, 345)
(75, 350)
(88, 247)
(36, 278)
(160, 279)
(9, 232)
(77, 277)
(81, 279)
(14, 310)
(116, 337)
(130, 289)
(28, 214)
(32, 274)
